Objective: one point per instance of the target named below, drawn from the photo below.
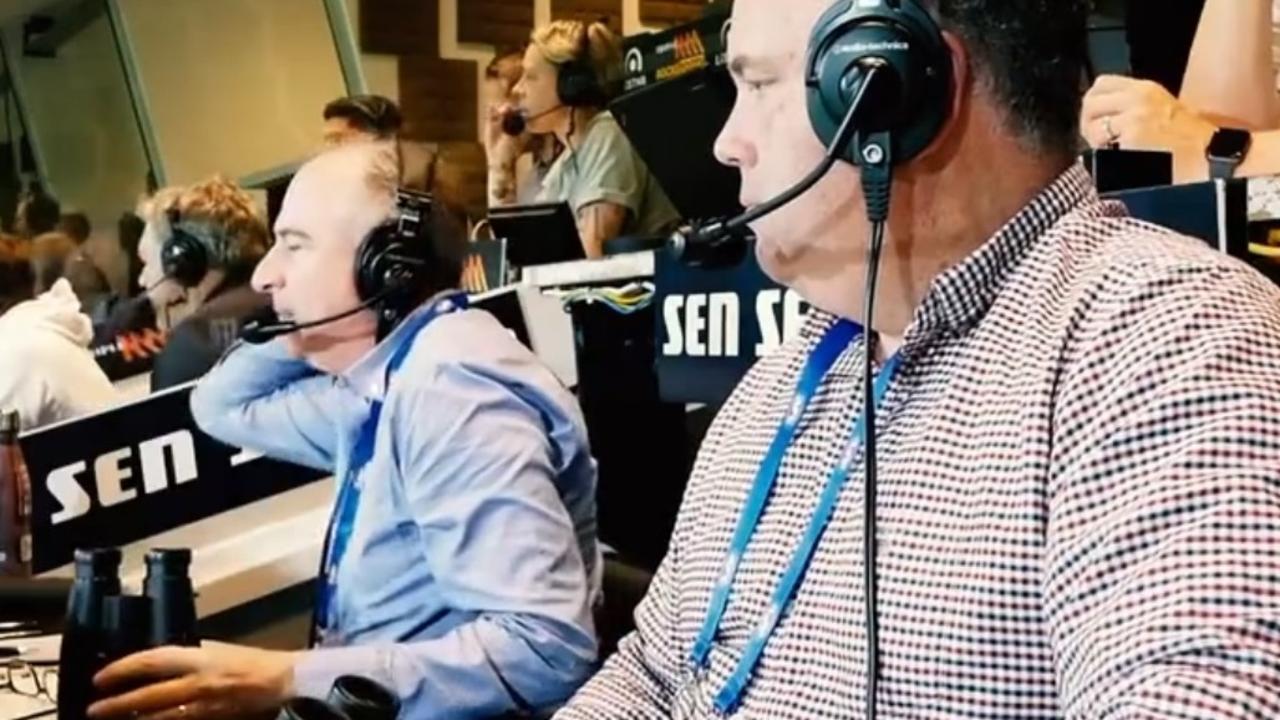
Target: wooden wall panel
(400, 27)
(504, 24)
(438, 98)
(665, 13)
(588, 11)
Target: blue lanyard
(820, 361)
(342, 522)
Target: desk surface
(583, 272)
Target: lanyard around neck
(820, 361)
(338, 535)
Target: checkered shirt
(1079, 499)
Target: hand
(493, 123)
(1142, 115)
(502, 149)
(213, 682)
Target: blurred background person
(86, 277)
(425, 167)
(361, 117)
(567, 78)
(506, 137)
(129, 229)
(198, 250)
(1225, 121)
(37, 213)
(47, 373)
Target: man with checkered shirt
(1078, 439)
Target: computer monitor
(673, 125)
(537, 234)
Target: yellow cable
(1267, 251)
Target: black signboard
(712, 325)
(650, 58)
(137, 470)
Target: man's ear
(957, 105)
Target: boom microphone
(515, 122)
(265, 325)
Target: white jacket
(47, 373)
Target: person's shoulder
(604, 137)
(469, 353)
(475, 343)
(1122, 271)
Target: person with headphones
(568, 71)
(198, 249)
(505, 137)
(1021, 461)
(460, 567)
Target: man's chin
(774, 261)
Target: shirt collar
(959, 297)
(370, 374)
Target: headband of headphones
(393, 259)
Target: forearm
(493, 665)
(1263, 157)
(502, 184)
(1243, 94)
(261, 398)
(597, 224)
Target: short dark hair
(1032, 55)
(373, 114)
(39, 211)
(77, 226)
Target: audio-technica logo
(860, 48)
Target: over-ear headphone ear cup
(902, 39)
(577, 86)
(183, 258)
(576, 81)
(370, 271)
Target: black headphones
(183, 257)
(394, 257)
(577, 83)
(903, 42)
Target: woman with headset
(568, 70)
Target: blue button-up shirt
(472, 567)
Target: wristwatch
(1227, 149)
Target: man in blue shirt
(462, 562)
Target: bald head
(351, 188)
